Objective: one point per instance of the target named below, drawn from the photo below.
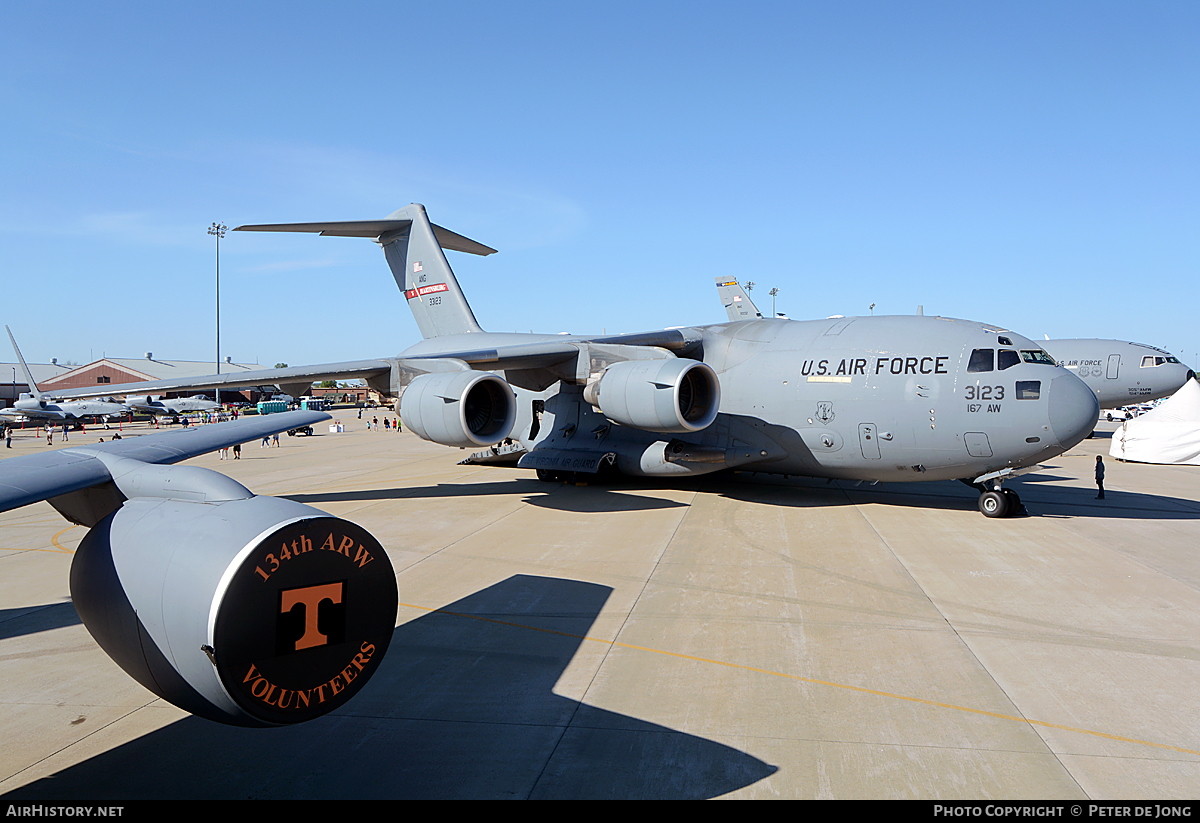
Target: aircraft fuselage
(1121, 373)
(35, 409)
(865, 398)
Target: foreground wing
(30, 478)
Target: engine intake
(674, 395)
(462, 408)
(251, 612)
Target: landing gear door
(1114, 364)
(868, 439)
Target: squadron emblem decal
(305, 620)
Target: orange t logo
(310, 597)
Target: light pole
(218, 230)
(872, 309)
(773, 292)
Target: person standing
(1100, 476)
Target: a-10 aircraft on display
(33, 405)
(201, 590)
(1119, 372)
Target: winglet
(33, 388)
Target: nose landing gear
(994, 500)
(1001, 503)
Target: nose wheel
(1000, 503)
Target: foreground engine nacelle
(674, 395)
(461, 408)
(252, 612)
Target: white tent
(1169, 433)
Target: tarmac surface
(746, 637)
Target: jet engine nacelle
(462, 408)
(675, 395)
(252, 612)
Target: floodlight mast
(218, 230)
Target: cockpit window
(1037, 356)
(1003, 341)
(1029, 389)
(1152, 360)
(982, 360)
(1006, 359)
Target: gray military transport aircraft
(259, 611)
(857, 398)
(33, 405)
(1118, 372)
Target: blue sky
(1032, 165)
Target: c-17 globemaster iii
(260, 611)
(860, 398)
(1120, 372)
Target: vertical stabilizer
(737, 303)
(419, 265)
(33, 389)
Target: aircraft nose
(1074, 410)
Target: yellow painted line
(876, 692)
(60, 546)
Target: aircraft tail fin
(737, 303)
(414, 250)
(33, 387)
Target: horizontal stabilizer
(374, 228)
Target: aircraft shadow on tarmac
(31, 620)
(622, 494)
(462, 707)
(598, 499)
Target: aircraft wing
(30, 478)
(349, 370)
(554, 355)
(29, 414)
